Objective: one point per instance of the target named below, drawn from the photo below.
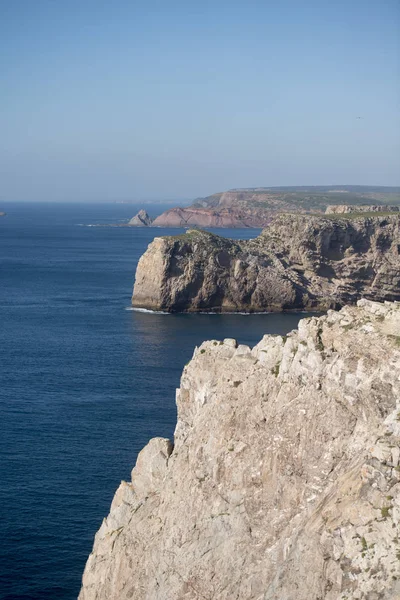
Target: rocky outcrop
(142, 219)
(298, 262)
(254, 207)
(361, 208)
(203, 217)
(283, 482)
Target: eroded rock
(298, 262)
(283, 482)
(142, 219)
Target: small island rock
(142, 219)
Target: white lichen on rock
(284, 479)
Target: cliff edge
(301, 262)
(283, 482)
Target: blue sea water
(84, 382)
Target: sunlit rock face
(283, 481)
(298, 262)
(142, 219)
(360, 208)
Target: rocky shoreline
(283, 479)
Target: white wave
(202, 312)
(213, 312)
(146, 310)
(246, 314)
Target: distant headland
(255, 207)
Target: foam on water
(147, 310)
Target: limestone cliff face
(298, 262)
(283, 482)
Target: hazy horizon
(187, 201)
(156, 102)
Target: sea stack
(283, 479)
(142, 219)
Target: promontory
(254, 207)
(299, 262)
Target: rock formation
(204, 217)
(254, 207)
(360, 208)
(142, 219)
(298, 262)
(283, 482)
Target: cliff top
(300, 198)
(288, 219)
(300, 261)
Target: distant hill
(254, 207)
(305, 198)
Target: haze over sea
(85, 383)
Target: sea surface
(84, 381)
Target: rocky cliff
(283, 481)
(298, 262)
(206, 217)
(254, 207)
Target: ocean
(85, 381)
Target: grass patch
(276, 369)
(385, 511)
(395, 339)
(364, 544)
(320, 344)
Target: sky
(130, 100)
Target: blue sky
(142, 100)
